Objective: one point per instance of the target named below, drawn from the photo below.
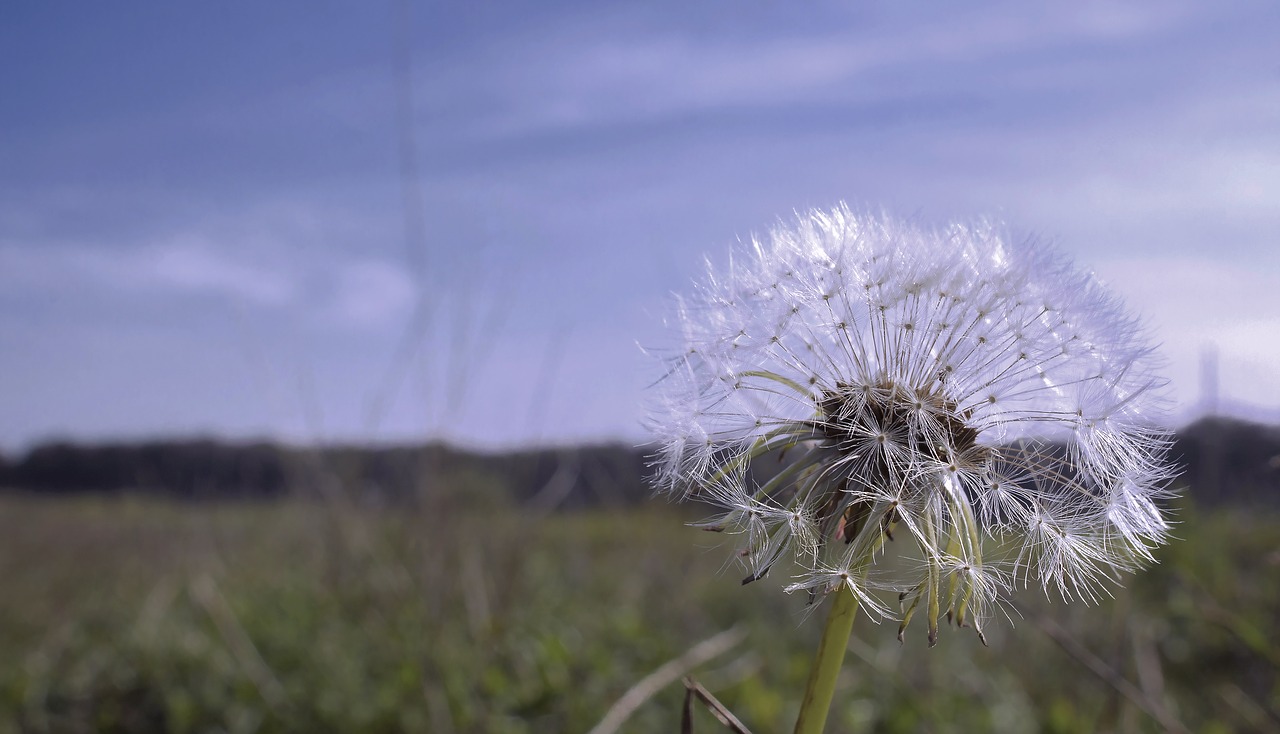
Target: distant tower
(1209, 380)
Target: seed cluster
(949, 383)
(926, 423)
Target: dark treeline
(1223, 461)
(211, 470)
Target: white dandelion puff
(960, 392)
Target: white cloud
(1200, 294)
(198, 267)
(187, 265)
(371, 293)
(1164, 184)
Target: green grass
(142, 615)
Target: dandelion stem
(826, 665)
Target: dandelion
(857, 380)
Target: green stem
(826, 666)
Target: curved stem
(826, 666)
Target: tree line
(1223, 461)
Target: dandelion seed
(949, 393)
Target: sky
(399, 221)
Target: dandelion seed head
(853, 376)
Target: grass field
(133, 615)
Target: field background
(468, 611)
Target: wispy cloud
(198, 267)
(650, 70)
(371, 293)
(191, 266)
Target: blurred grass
(133, 615)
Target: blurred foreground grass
(134, 615)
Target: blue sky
(212, 220)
